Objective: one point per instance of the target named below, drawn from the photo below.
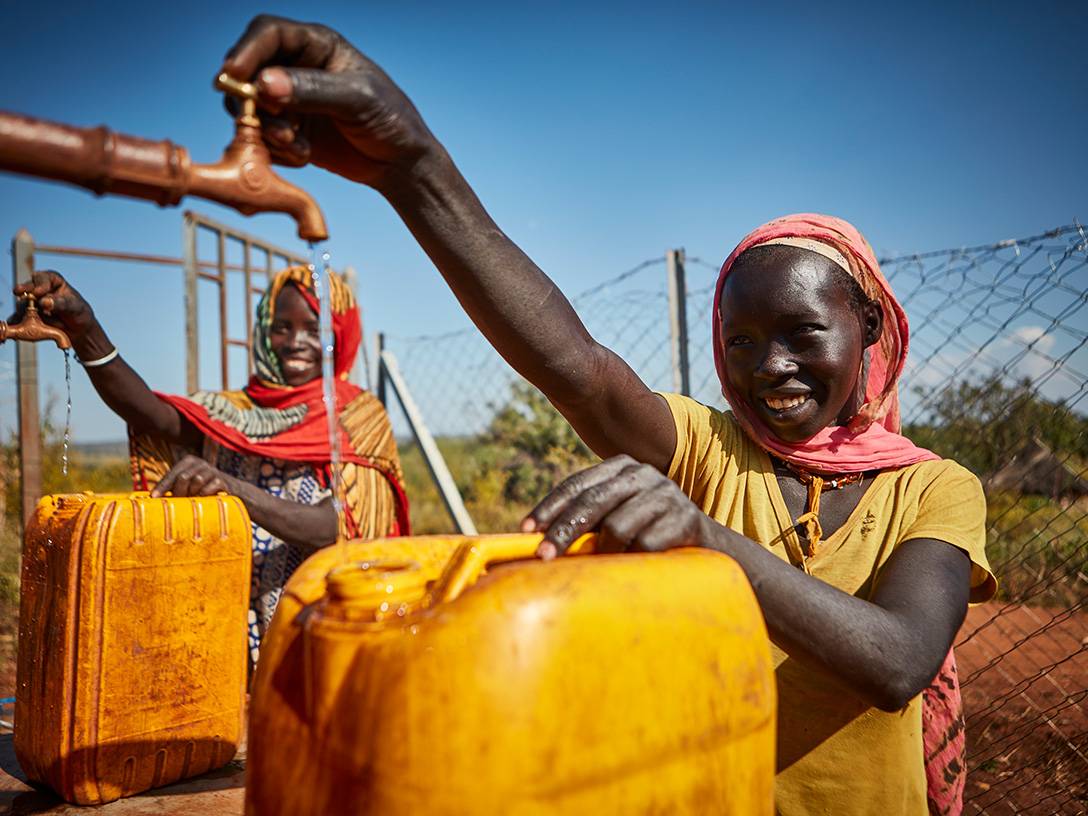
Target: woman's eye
(807, 328)
(737, 340)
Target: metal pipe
(106, 162)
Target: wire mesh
(996, 378)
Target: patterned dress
(274, 560)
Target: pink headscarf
(872, 440)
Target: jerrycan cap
(376, 589)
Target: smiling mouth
(296, 364)
(780, 404)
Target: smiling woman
(862, 616)
(267, 443)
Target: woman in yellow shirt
(863, 567)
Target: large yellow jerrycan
(132, 641)
(425, 676)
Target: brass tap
(244, 178)
(31, 329)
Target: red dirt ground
(1024, 673)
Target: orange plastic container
(132, 641)
(423, 676)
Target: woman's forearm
(309, 526)
(527, 318)
(884, 655)
(125, 392)
(516, 306)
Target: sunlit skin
(324, 102)
(790, 331)
(295, 337)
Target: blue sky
(597, 134)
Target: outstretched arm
(312, 526)
(886, 651)
(120, 387)
(326, 103)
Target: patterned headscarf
(347, 332)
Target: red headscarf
(871, 441)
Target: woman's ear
(872, 322)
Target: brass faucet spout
(31, 329)
(244, 179)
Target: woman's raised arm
(121, 388)
(324, 102)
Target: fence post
(440, 473)
(26, 383)
(678, 321)
(379, 338)
(192, 349)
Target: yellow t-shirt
(836, 755)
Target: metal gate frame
(195, 271)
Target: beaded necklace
(815, 484)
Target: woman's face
(295, 337)
(794, 341)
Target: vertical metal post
(436, 464)
(26, 383)
(192, 350)
(678, 321)
(221, 264)
(247, 299)
(381, 371)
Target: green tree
(983, 423)
(533, 446)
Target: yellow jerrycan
(132, 641)
(429, 676)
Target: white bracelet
(101, 361)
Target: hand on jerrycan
(633, 505)
(322, 101)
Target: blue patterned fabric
(274, 560)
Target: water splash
(319, 270)
(67, 412)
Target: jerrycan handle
(472, 559)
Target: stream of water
(67, 411)
(319, 269)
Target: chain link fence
(996, 379)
